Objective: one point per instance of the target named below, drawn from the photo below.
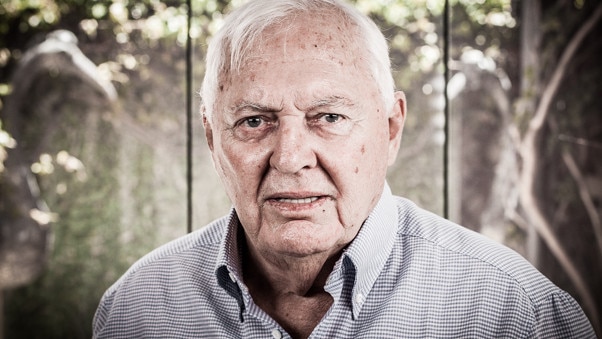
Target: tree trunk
(530, 36)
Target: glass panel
(415, 32)
(95, 176)
(526, 134)
(97, 128)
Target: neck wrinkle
(290, 275)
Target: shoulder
(481, 269)
(469, 249)
(202, 245)
(178, 269)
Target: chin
(306, 248)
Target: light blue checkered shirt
(407, 274)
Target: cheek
(371, 158)
(360, 155)
(242, 166)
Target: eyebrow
(254, 107)
(333, 100)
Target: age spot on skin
(357, 169)
(363, 150)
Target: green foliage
(79, 186)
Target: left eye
(331, 117)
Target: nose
(293, 149)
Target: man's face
(301, 140)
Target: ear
(208, 128)
(397, 118)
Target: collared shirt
(407, 274)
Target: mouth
(308, 200)
(295, 205)
(296, 200)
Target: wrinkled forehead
(322, 30)
(324, 34)
(312, 39)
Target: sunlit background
(93, 138)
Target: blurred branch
(544, 229)
(582, 186)
(580, 141)
(568, 54)
(519, 221)
(528, 153)
(586, 197)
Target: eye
(252, 122)
(331, 117)
(332, 123)
(253, 127)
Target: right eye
(253, 127)
(253, 122)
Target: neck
(281, 275)
(290, 289)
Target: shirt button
(232, 277)
(276, 334)
(359, 298)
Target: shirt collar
(229, 254)
(372, 247)
(367, 253)
(229, 263)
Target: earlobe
(396, 123)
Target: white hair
(228, 48)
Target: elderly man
(302, 120)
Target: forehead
(325, 34)
(318, 47)
(327, 27)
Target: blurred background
(95, 138)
